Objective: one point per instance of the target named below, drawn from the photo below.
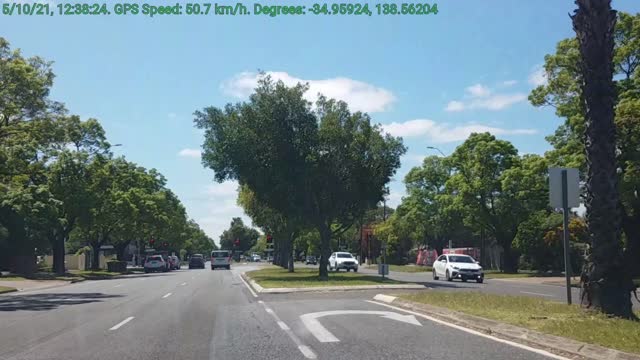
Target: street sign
(564, 193)
(323, 335)
(555, 187)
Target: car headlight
(480, 268)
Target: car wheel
(355, 270)
(228, 267)
(480, 280)
(435, 277)
(212, 268)
(448, 276)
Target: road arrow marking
(323, 335)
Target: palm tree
(605, 284)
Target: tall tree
(605, 283)
(327, 166)
(237, 230)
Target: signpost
(383, 269)
(564, 193)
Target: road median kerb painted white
(554, 344)
(259, 289)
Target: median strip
(280, 281)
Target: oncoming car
(453, 266)
(343, 260)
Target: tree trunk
(325, 240)
(631, 226)
(291, 252)
(120, 248)
(510, 258)
(605, 284)
(95, 255)
(22, 254)
(57, 245)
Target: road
(204, 314)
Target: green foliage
(237, 230)
(312, 168)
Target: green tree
(564, 92)
(326, 166)
(238, 231)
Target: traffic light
(236, 242)
(269, 239)
(152, 242)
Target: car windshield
(167, 166)
(461, 259)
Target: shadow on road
(39, 302)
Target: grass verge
(6, 289)
(541, 315)
(304, 277)
(404, 268)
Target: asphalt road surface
(204, 314)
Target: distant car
(155, 263)
(221, 258)
(196, 261)
(256, 258)
(342, 260)
(175, 262)
(311, 260)
(454, 266)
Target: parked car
(343, 260)
(454, 266)
(196, 261)
(155, 263)
(256, 258)
(175, 262)
(221, 258)
(311, 260)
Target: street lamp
(438, 150)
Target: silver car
(155, 263)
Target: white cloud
(443, 133)
(394, 198)
(221, 208)
(508, 83)
(192, 153)
(359, 95)
(538, 76)
(478, 90)
(454, 106)
(481, 97)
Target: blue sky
(431, 79)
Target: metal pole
(384, 259)
(565, 225)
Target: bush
(117, 266)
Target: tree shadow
(41, 302)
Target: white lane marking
(304, 349)
(118, 285)
(323, 335)
(473, 332)
(166, 295)
(183, 284)
(535, 293)
(143, 279)
(249, 287)
(118, 325)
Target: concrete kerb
(261, 290)
(551, 343)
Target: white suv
(453, 266)
(343, 260)
(155, 263)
